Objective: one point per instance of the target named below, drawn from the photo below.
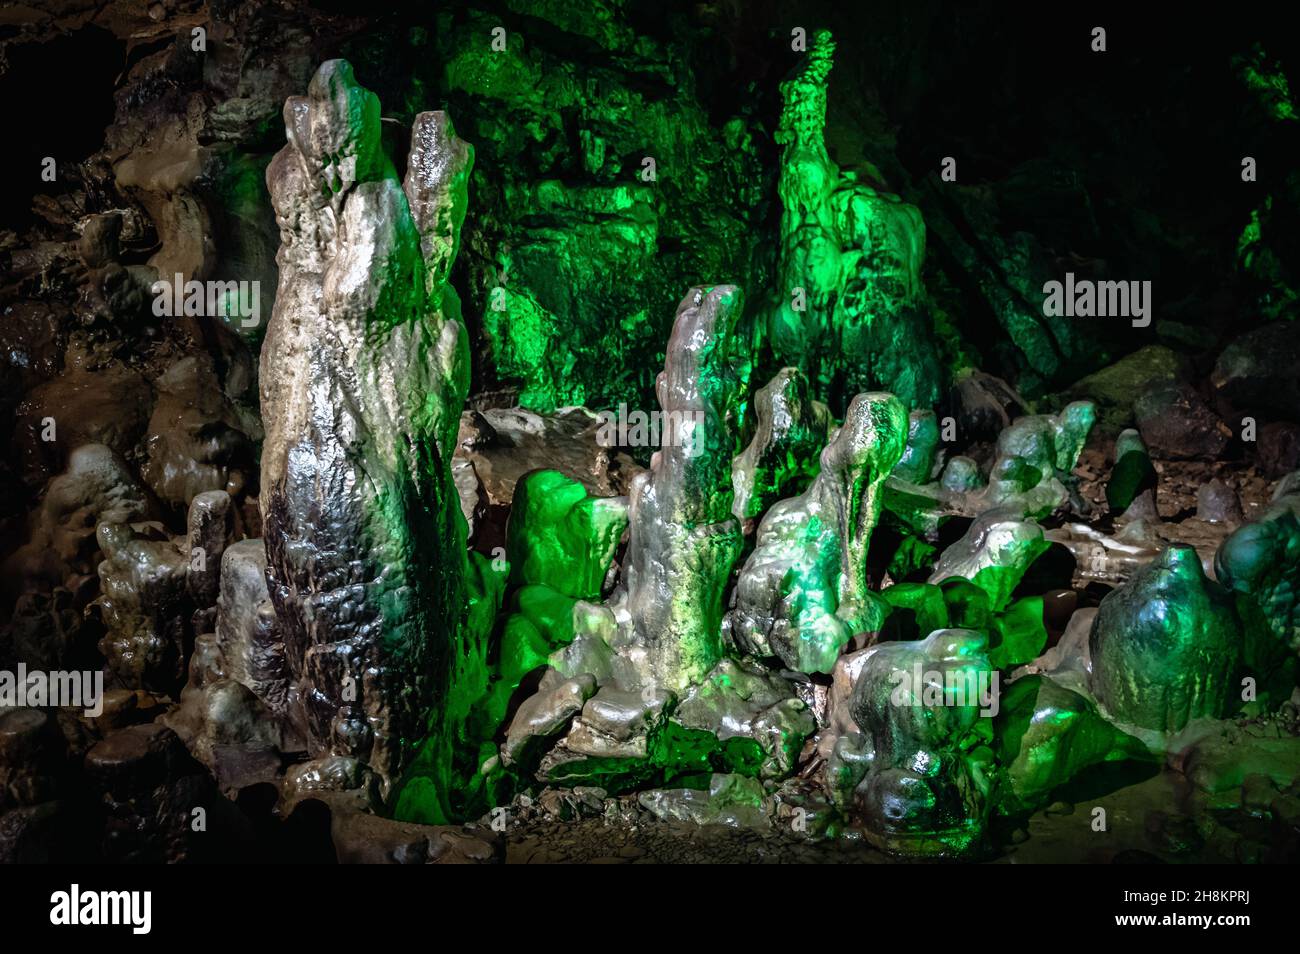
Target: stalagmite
(364, 372)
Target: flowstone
(1261, 561)
(364, 372)
(1047, 735)
(1029, 478)
(993, 555)
(641, 680)
(803, 593)
(1034, 458)
(922, 447)
(145, 607)
(659, 632)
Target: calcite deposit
(540, 431)
(364, 371)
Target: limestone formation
(1133, 473)
(248, 635)
(1029, 477)
(1260, 562)
(782, 456)
(364, 372)
(803, 592)
(198, 440)
(683, 536)
(209, 523)
(1034, 458)
(1165, 646)
(919, 704)
(993, 554)
(851, 304)
(145, 608)
(918, 459)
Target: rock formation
(850, 308)
(684, 538)
(364, 372)
(1165, 646)
(926, 789)
(803, 594)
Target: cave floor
(1143, 826)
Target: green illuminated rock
(917, 609)
(364, 373)
(922, 446)
(850, 307)
(803, 593)
(1265, 79)
(560, 542)
(659, 633)
(1165, 646)
(1048, 735)
(913, 556)
(575, 257)
(1019, 634)
(1132, 473)
(1030, 476)
(666, 701)
(562, 537)
(993, 555)
(960, 475)
(920, 703)
(782, 458)
(739, 701)
(1260, 564)
(683, 536)
(1035, 457)
(968, 605)
(731, 800)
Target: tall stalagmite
(851, 308)
(364, 372)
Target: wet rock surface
(1164, 647)
(357, 501)
(803, 592)
(683, 537)
(645, 653)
